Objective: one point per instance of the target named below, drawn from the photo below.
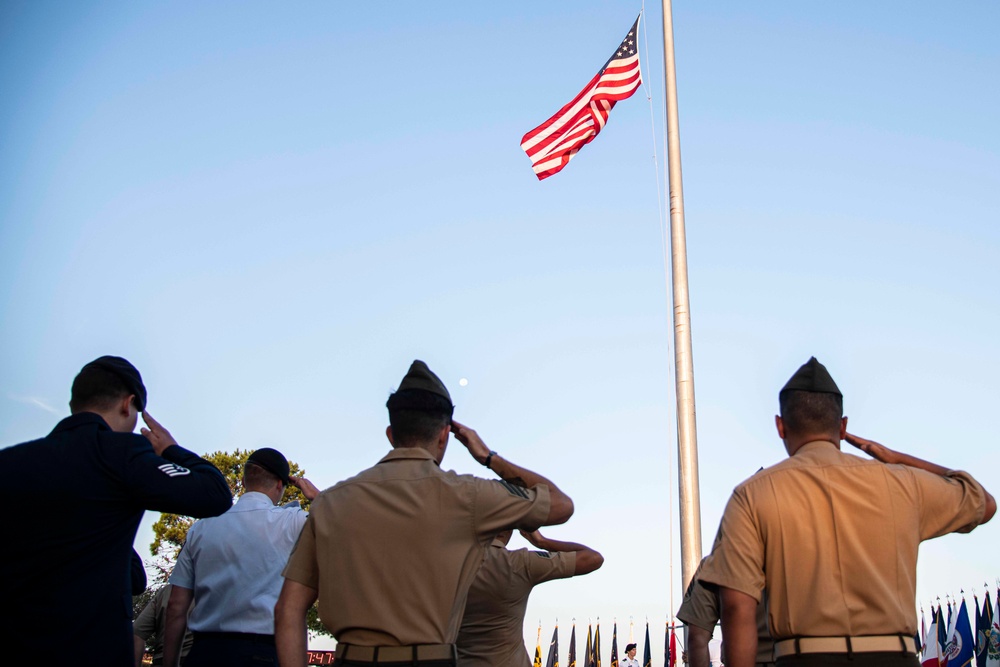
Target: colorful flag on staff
(666, 644)
(553, 659)
(983, 632)
(538, 648)
(930, 657)
(673, 649)
(647, 657)
(958, 649)
(588, 659)
(993, 651)
(552, 144)
(614, 646)
(597, 644)
(571, 659)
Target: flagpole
(687, 438)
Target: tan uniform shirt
(393, 550)
(834, 537)
(492, 632)
(701, 608)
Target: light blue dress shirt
(233, 563)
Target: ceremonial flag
(930, 657)
(571, 659)
(983, 632)
(673, 649)
(553, 659)
(588, 660)
(958, 650)
(614, 646)
(597, 644)
(993, 644)
(666, 645)
(942, 636)
(647, 657)
(538, 648)
(551, 145)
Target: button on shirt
(393, 550)
(233, 564)
(492, 632)
(834, 537)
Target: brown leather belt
(379, 655)
(876, 644)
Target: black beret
(126, 372)
(421, 377)
(629, 647)
(272, 461)
(812, 376)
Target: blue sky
(271, 210)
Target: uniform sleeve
(738, 560)
(179, 482)
(145, 623)
(302, 566)
(700, 606)
(137, 572)
(183, 574)
(501, 505)
(541, 566)
(953, 503)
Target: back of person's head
(809, 412)
(811, 402)
(417, 416)
(420, 408)
(105, 381)
(256, 477)
(97, 388)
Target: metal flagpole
(687, 438)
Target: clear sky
(272, 208)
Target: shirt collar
(252, 500)
(411, 453)
(82, 419)
(819, 449)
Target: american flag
(551, 145)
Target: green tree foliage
(170, 531)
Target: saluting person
(492, 632)
(67, 569)
(833, 539)
(391, 552)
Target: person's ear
(843, 427)
(388, 435)
(780, 425)
(125, 404)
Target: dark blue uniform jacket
(73, 502)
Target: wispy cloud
(35, 401)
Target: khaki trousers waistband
(377, 655)
(872, 644)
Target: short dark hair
(95, 388)
(810, 411)
(417, 416)
(258, 476)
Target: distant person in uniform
(230, 570)
(391, 553)
(149, 626)
(700, 611)
(66, 568)
(492, 632)
(629, 660)
(833, 539)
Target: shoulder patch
(173, 470)
(542, 554)
(513, 489)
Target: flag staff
(687, 438)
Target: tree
(170, 530)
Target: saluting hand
(471, 440)
(871, 448)
(534, 538)
(158, 436)
(308, 489)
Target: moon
(462, 382)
